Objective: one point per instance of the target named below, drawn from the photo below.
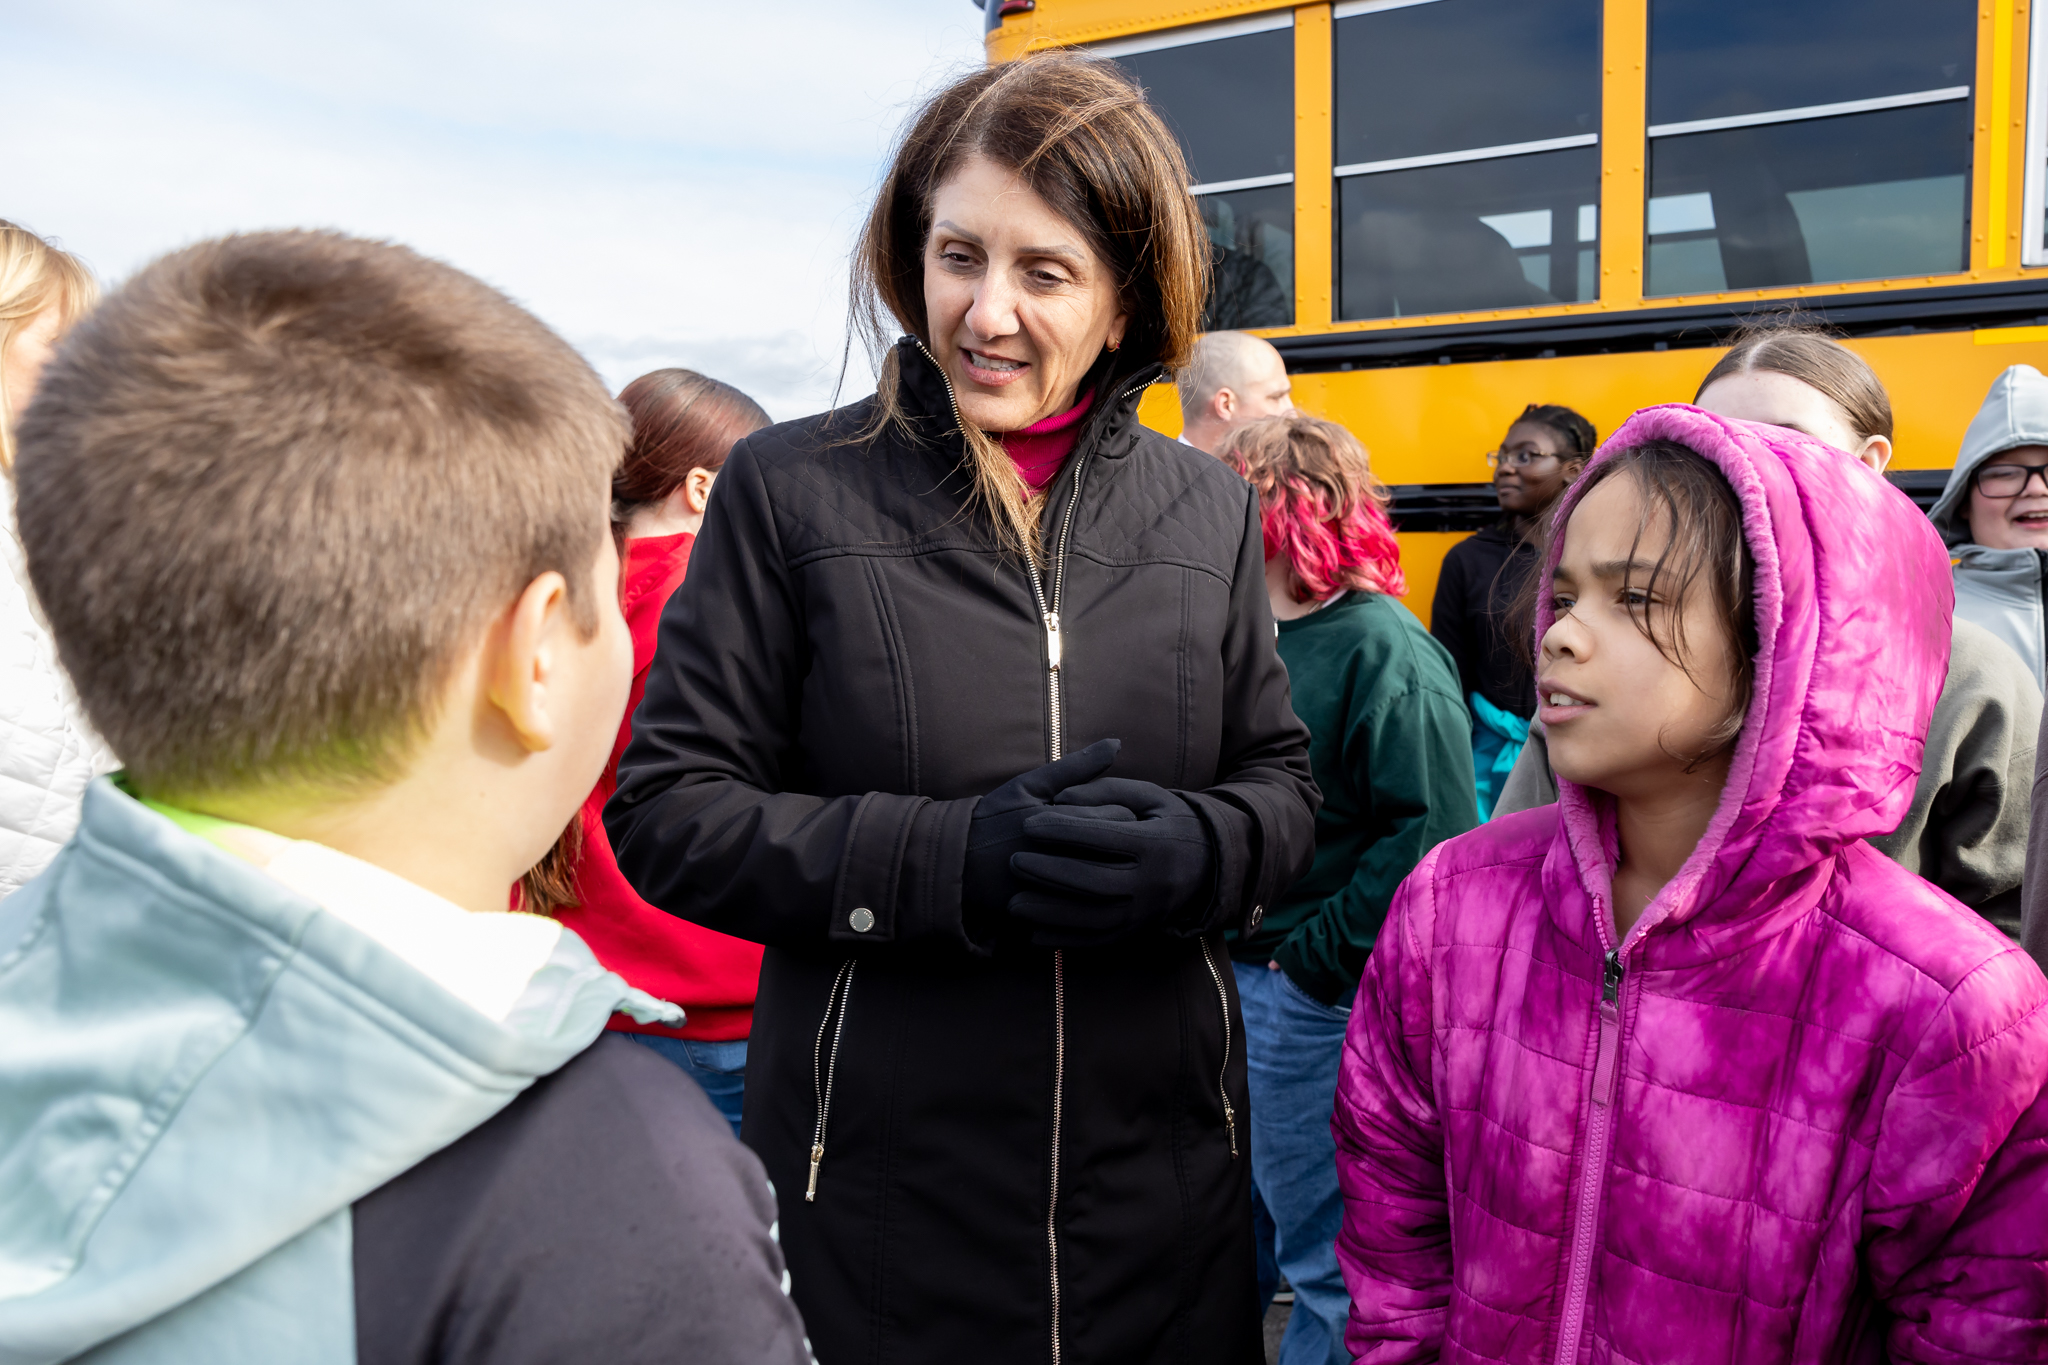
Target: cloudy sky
(666, 182)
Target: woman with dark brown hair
(997, 1070)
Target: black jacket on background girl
(1471, 617)
(1028, 1157)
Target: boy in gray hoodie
(321, 531)
(1994, 515)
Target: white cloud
(665, 183)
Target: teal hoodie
(1390, 744)
(200, 1071)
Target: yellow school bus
(1442, 210)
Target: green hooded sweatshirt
(1391, 747)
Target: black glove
(1109, 860)
(995, 831)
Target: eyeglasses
(2007, 480)
(1516, 459)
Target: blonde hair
(33, 274)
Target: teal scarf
(1497, 740)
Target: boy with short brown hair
(321, 530)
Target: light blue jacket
(200, 1071)
(2000, 590)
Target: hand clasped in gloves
(995, 833)
(1108, 859)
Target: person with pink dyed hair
(1391, 747)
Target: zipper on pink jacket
(1593, 1170)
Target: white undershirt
(484, 960)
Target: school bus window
(1712, 58)
(1227, 91)
(1502, 233)
(1252, 233)
(1866, 176)
(2034, 213)
(1468, 165)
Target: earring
(1113, 345)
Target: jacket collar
(1112, 430)
(485, 961)
(1983, 559)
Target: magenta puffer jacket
(1796, 1115)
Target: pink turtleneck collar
(1040, 449)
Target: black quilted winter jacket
(1026, 1156)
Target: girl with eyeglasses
(1994, 514)
(1484, 575)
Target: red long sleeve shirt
(711, 975)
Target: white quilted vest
(48, 753)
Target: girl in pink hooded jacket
(1680, 1068)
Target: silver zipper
(1059, 1085)
(823, 1067)
(1055, 650)
(1223, 1072)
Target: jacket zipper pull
(1607, 1064)
(817, 1156)
(1230, 1126)
(1052, 640)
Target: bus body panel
(1426, 422)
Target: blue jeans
(721, 1068)
(1293, 1046)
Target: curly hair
(1319, 505)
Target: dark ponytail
(1575, 431)
(682, 421)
